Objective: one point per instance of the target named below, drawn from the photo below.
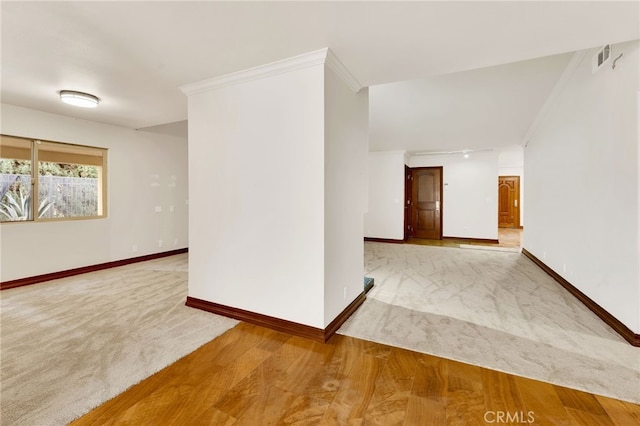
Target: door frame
(408, 195)
(408, 179)
(518, 198)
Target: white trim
(295, 63)
(317, 57)
(342, 72)
(571, 67)
(460, 151)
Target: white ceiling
(135, 55)
(486, 108)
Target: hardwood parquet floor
(256, 376)
(509, 237)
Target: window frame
(74, 150)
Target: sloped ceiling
(486, 108)
(135, 55)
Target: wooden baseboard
(472, 240)
(279, 324)
(384, 240)
(334, 325)
(602, 313)
(456, 239)
(5, 285)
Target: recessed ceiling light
(79, 99)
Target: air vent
(600, 58)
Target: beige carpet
(493, 309)
(71, 344)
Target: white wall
(385, 212)
(470, 197)
(145, 170)
(346, 146)
(581, 168)
(469, 200)
(256, 216)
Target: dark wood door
(509, 201)
(426, 203)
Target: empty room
(443, 226)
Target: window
(70, 180)
(15, 179)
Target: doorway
(423, 202)
(509, 202)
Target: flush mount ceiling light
(79, 99)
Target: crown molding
(342, 72)
(317, 57)
(295, 63)
(455, 152)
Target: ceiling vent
(600, 58)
